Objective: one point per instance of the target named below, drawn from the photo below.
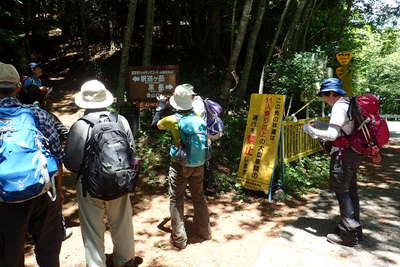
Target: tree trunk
(111, 29)
(238, 45)
(20, 51)
(273, 44)
(28, 29)
(85, 43)
(307, 23)
(123, 69)
(148, 33)
(233, 24)
(288, 43)
(250, 47)
(212, 38)
(346, 18)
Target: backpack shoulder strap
(88, 120)
(113, 116)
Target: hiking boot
(135, 262)
(360, 235)
(350, 241)
(176, 244)
(210, 191)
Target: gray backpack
(106, 172)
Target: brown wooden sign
(146, 83)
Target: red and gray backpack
(371, 131)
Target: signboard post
(145, 83)
(344, 72)
(260, 145)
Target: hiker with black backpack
(100, 149)
(30, 156)
(188, 153)
(344, 162)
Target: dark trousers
(39, 217)
(343, 181)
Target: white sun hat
(93, 95)
(182, 99)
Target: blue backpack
(27, 168)
(193, 149)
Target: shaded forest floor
(245, 234)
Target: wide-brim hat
(332, 85)
(182, 99)
(93, 95)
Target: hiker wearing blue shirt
(188, 156)
(34, 79)
(33, 207)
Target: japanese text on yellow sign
(260, 145)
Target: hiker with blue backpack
(100, 149)
(189, 153)
(355, 128)
(210, 111)
(30, 156)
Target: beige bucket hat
(182, 99)
(93, 95)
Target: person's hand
(306, 128)
(161, 98)
(162, 102)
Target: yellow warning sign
(344, 57)
(340, 72)
(260, 145)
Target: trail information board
(145, 83)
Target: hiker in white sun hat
(93, 95)
(95, 98)
(189, 133)
(182, 99)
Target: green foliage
(298, 73)
(229, 147)
(377, 66)
(307, 174)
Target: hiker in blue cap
(34, 78)
(344, 162)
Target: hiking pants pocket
(343, 170)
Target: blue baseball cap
(33, 65)
(332, 85)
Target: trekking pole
(303, 107)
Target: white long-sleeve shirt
(339, 121)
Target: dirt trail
(255, 234)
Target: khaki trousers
(179, 178)
(118, 212)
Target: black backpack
(106, 171)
